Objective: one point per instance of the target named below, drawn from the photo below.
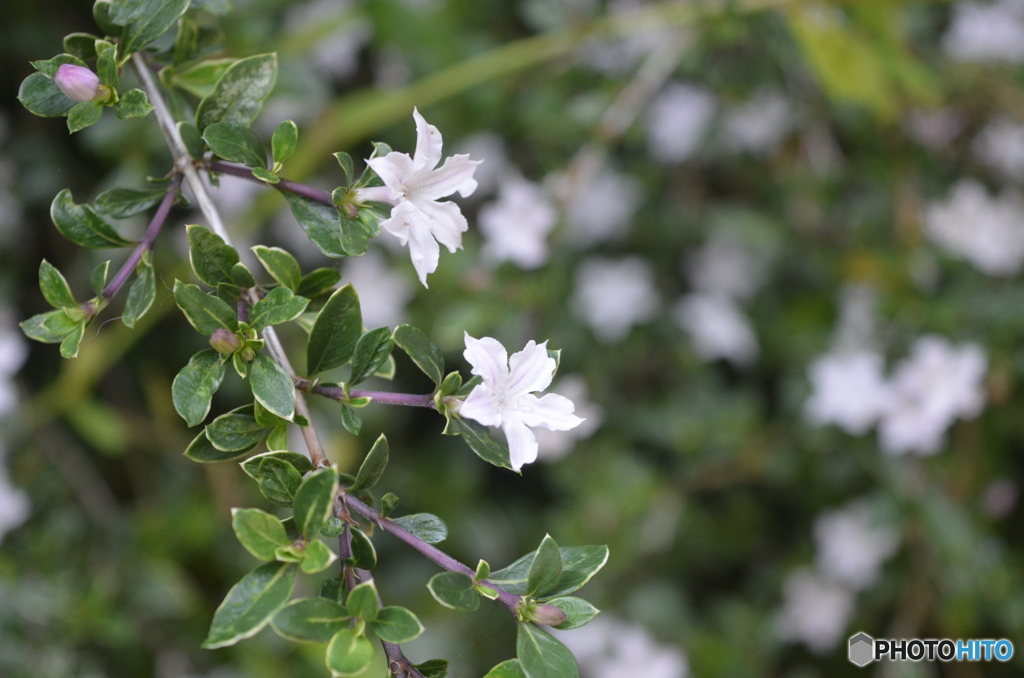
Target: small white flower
(815, 610)
(988, 32)
(600, 209)
(723, 266)
(612, 296)
(413, 186)
(759, 125)
(1000, 145)
(517, 224)
(677, 120)
(719, 328)
(77, 83)
(848, 389)
(506, 397)
(612, 648)
(852, 545)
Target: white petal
(456, 174)
(522, 444)
(488, 359)
(394, 169)
(446, 222)
(480, 406)
(553, 412)
(422, 247)
(428, 144)
(530, 369)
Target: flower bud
(224, 341)
(77, 82)
(548, 615)
(248, 354)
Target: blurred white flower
(848, 389)
(600, 210)
(815, 611)
(852, 545)
(613, 295)
(988, 232)
(553, 445)
(759, 125)
(719, 328)
(724, 267)
(383, 292)
(13, 351)
(612, 648)
(934, 129)
(517, 225)
(1000, 145)
(506, 397)
(337, 53)
(622, 54)
(485, 145)
(989, 31)
(937, 384)
(677, 120)
(413, 186)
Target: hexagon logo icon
(862, 649)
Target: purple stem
(509, 600)
(284, 184)
(146, 243)
(382, 397)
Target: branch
(295, 187)
(382, 397)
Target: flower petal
(395, 170)
(446, 222)
(488, 359)
(553, 412)
(480, 406)
(399, 224)
(456, 174)
(530, 369)
(428, 144)
(522, 444)
(422, 247)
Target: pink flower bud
(224, 341)
(548, 615)
(77, 82)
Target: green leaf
(186, 41)
(483, 570)
(133, 104)
(141, 294)
(322, 224)
(579, 564)
(357, 233)
(509, 668)
(278, 481)
(235, 142)
(202, 451)
(333, 590)
(41, 96)
(372, 468)
(55, 287)
(541, 656)
(279, 306)
(314, 501)
(69, 345)
(265, 175)
(250, 604)
(272, 387)
(267, 419)
(49, 67)
(333, 528)
(205, 312)
(211, 258)
(239, 93)
(50, 327)
(310, 620)
(201, 78)
(281, 265)
(258, 531)
(424, 352)
(479, 440)
(578, 612)
(348, 653)
(241, 276)
(193, 388)
(317, 557)
(371, 351)
(317, 282)
(278, 438)
(335, 332)
(80, 45)
(396, 624)
(545, 570)
(284, 141)
(454, 590)
(82, 225)
(433, 668)
(98, 278)
(350, 419)
(106, 63)
(364, 555)
(426, 526)
(145, 20)
(121, 203)
(347, 166)
(298, 461)
(362, 601)
(192, 139)
(84, 114)
(388, 503)
(235, 431)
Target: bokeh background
(778, 242)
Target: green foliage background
(705, 480)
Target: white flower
(599, 210)
(337, 53)
(612, 296)
(848, 389)
(719, 328)
(414, 186)
(992, 31)
(14, 504)
(759, 125)
(517, 224)
(937, 384)
(554, 445)
(1000, 145)
(383, 292)
(612, 648)
(852, 545)
(814, 611)
(677, 120)
(724, 267)
(988, 232)
(506, 397)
